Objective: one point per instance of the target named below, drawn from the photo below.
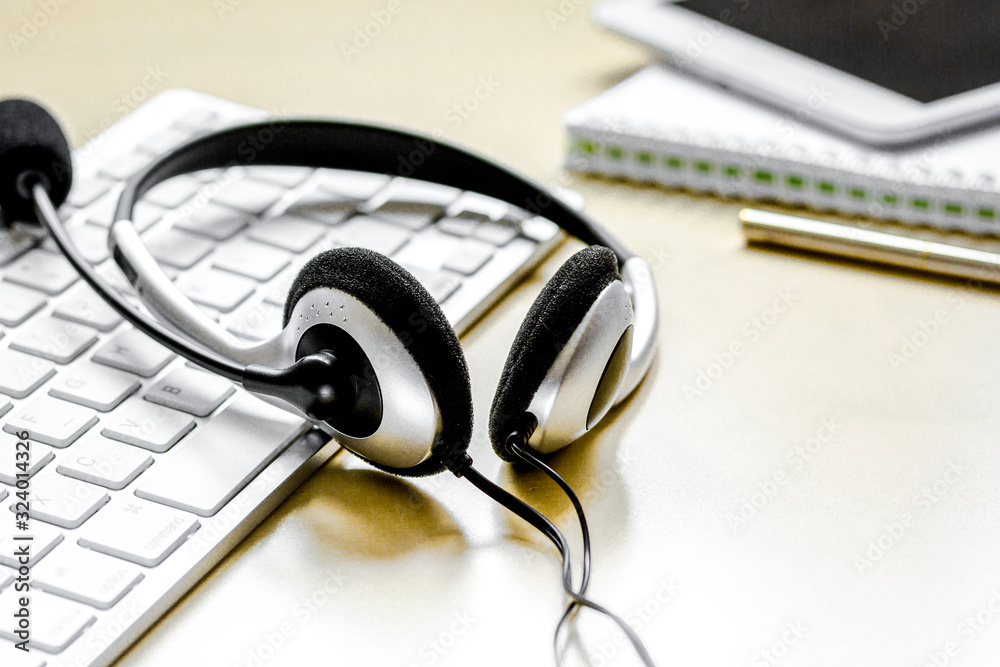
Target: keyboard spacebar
(215, 461)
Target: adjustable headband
(355, 147)
(358, 147)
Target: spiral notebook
(661, 126)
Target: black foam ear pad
(31, 141)
(555, 314)
(406, 307)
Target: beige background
(411, 566)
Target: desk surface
(807, 477)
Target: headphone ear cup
(555, 315)
(402, 303)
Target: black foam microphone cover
(33, 149)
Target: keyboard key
(85, 576)
(104, 462)
(21, 374)
(461, 226)
(357, 185)
(196, 119)
(256, 321)
(39, 456)
(324, 206)
(5, 405)
(44, 540)
(125, 166)
(53, 339)
(83, 306)
(51, 421)
(497, 233)
(86, 191)
(216, 289)
(90, 240)
(164, 141)
(211, 220)
(249, 196)
(101, 215)
(178, 248)
(412, 215)
(218, 176)
(440, 285)
(138, 531)
(470, 257)
(371, 233)
(22, 659)
(539, 229)
(277, 292)
(195, 392)
(55, 623)
(146, 425)
(18, 304)
(132, 351)
(288, 232)
(205, 471)
(405, 190)
(62, 501)
(94, 386)
(251, 259)
(6, 574)
(476, 206)
(173, 192)
(286, 177)
(145, 215)
(429, 249)
(42, 270)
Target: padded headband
(358, 147)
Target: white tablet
(879, 71)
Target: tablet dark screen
(924, 49)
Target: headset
(365, 352)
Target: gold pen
(848, 241)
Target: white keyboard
(145, 471)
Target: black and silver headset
(366, 353)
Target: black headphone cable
(516, 444)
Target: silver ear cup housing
(586, 377)
(410, 420)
